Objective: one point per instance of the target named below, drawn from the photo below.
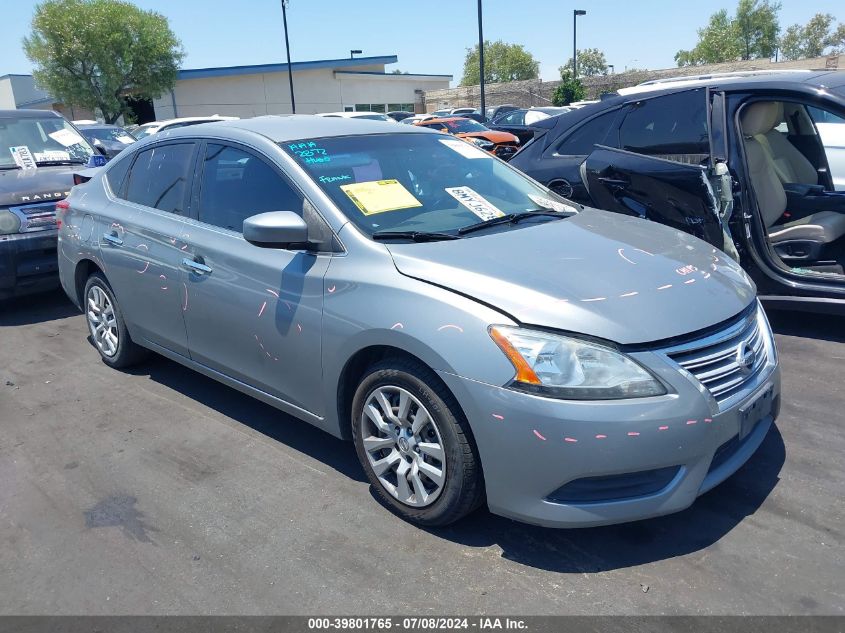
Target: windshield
(459, 126)
(146, 130)
(108, 134)
(40, 141)
(417, 182)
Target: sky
(428, 37)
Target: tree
(751, 34)
(813, 39)
(95, 53)
(502, 62)
(591, 61)
(396, 71)
(569, 90)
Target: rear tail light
(62, 207)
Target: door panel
(256, 315)
(675, 194)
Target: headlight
(483, 143)
(572, 369)
(9, 222)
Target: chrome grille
(36, 217)
(727, 361)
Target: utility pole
(287, 48)
(575, 14)
(481, 61)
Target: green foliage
(591, 61)
(813, 39)
(502, 62)
(569, 90)
(751, 34)
(94, 53)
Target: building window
(349, 108)
(369, 107)
(404, 107)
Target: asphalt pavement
(160, 491)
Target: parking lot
(160, 491)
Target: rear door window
(584, 138)
(237, 184)
(517, 117)
(160, 175)
(673, 126)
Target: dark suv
(748, 162)
(38, 151)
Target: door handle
(195, 266)
(112, 239)
(614, 182)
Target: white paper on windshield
(51, 156)
(23, 157)
(474, 202)
(126, 139)
(65, 137)
(467, 150)
(546, 203)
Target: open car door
(675, 194)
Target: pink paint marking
(288, 305)
(141, 272)
(665, 287)
(707, 275)
(144, 246)
(397, 326)
(261, 311)
(165, 279)
(272, 292)
(601, 437)
(331, 288)
(690, 281)
(708, 420)
(692, 422)
(299, 327)
(633, 433)
(646, 252)
(498, 417)
(594, 299)
(569, 439)
(662, 428)
(622, 255)
(185, 303)
(184, 247)
(449, 326)
(537, 433)
(630, 294)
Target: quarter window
(594, 132)
(672, 125)
(517, 117)
(159, 177)
(237, 185)
(116, 173)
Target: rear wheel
(106, 325)
(414, 444)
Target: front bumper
(28, 263)
(532, 447)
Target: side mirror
(276, 229)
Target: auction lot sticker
(23, 157)
(378, 196)
(65, 137)
(467, 150)
(474, 202)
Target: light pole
(612, 68)
(287, 48)
(481, 61)
(352, 53)
(575, 14)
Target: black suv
(753, 163)
(39, 150)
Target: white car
(373, 116)
(159, 126)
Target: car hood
(28, 186)
(601, 274)
(494, 136)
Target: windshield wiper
(416, 236)
(59, 162)
(9, 167)
(510, 218)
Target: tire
(106, 325)
(408, 388)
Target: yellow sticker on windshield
(378, 196)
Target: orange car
(502, 144)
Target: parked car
(372, 116)
(399, 115)
(172, 124)
(462, 111)
(110, 139)
(494, 112)
(441, 113)
(403, 289)
(38, 151)
(521, 122)
(832, 133)
(501, 144)
(411, 120)
(738, 160)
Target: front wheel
(415, 445)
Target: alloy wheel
(403, 446)
(102, 321)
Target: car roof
(28, 114)
(294, 127)
(188, 119)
